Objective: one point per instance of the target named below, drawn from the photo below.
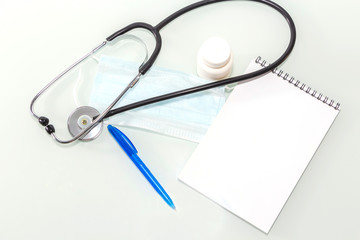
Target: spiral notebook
(259, 145)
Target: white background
(93, 191)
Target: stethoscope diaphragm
(80, 119)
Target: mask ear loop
(122, 37)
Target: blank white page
(258, 147)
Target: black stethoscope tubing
(80, 134)
(156, 32)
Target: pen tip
(173, 206)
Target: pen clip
(123, 140)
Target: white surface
(258, 147)
(93, 191)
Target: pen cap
(122, 140)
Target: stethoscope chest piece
(80, 119)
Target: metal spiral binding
(300, 85)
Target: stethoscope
(85, 123)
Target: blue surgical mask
(187, 117)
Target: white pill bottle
(214, 59)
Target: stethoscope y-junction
(85, 123)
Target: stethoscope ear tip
(44, 121)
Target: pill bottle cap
(214, 59)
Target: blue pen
(131, 151)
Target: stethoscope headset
(85, 123)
